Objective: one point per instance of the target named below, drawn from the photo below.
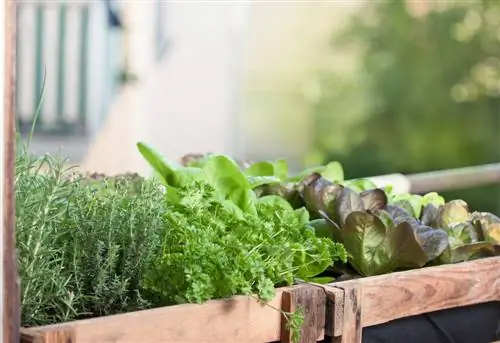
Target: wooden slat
(312, 300)
(352, 326)
(404, 294)
(59, 337)
(30, 337)
(239, 319)
(10, 283)
(334, 311)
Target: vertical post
(39, 60)
(84, 37)
(10, 323)
(61, 66)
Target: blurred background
(387, 86)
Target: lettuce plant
(379, 237)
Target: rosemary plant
(83, 243)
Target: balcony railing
(78, 49)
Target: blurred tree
(430, 85)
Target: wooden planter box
(339, 310)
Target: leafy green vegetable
(470, 235)
(209, 252)
(165, 170)
(379, 237)
(414, 203)
(288, 191)
(333, 172)
(359, 185)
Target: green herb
(83, 243)
(211, 250)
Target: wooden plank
(397, 295)
(59, 337)
(312, 300)
(334, 311)
(10, 283)
(352, 327)
(239, 319)
(30, 336)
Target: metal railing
(74, 45)
(442, 180)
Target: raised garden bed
(227, 229)
(340, 310)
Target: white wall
(235, 81)
(187, 102)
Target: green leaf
(288, 191)
(187, 175)
(322, 228)
(245, 199)
(489, 226)
(434, 199)
(263, 168)
(276, 171)
(323, 280)
(302, 215)
(470, 251)
(277, 202)
(411, 202)
(281, 169)
(452, 213)
(408, 207)
(364, 237)
(165, 170)
(377, 248)
(314, 264)
(462, 233)
(257, 181)
(333, 172)
(228, 180)
(359, 185)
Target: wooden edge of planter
(238, 319)
(312, 300)
(380, 299)
(33, 336)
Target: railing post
(9, 300)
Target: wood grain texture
(312, 300)
(30, 336)
(59, 337)
(239, 319)
(352, 327)
(11, 302)
(404, 294)
(334, 311)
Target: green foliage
(220, 239)
(426, 92)
(383, 232)
(471, 235)
(83, 243)
(210, 252)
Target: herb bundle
(83, 243)
(211, 251)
